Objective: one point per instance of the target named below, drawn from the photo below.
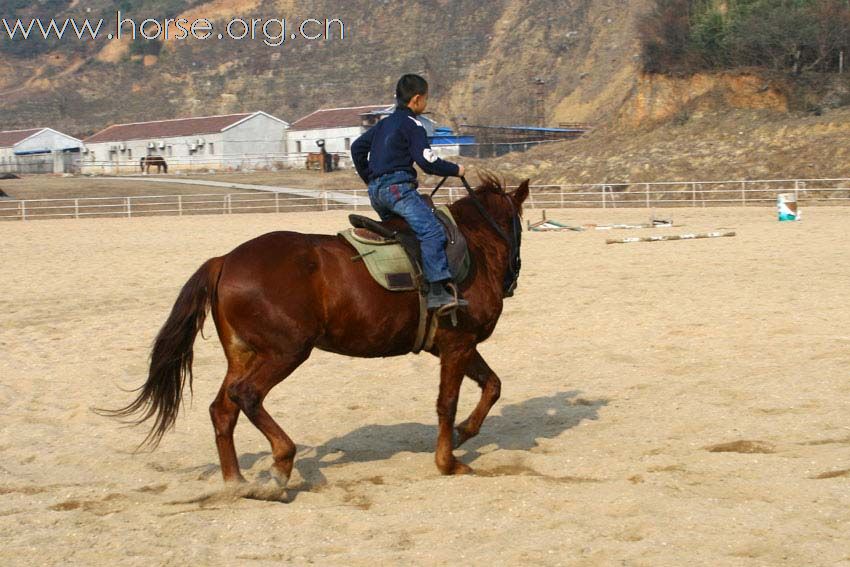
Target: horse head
(492, 209)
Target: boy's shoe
(440, 298)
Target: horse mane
(465, 212)
(490, 183)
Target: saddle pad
(388, 263)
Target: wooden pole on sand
(663, 238)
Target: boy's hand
(460, 170)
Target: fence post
(646, 190)
(23, 210)
(179, 205)
(76, 208)
(325, 201)
(127, 202)
(229, 204)
(561, 192)
(744, 193)
(355, 199)
(693, 194)
(797, 191)
(608, 189)
(277, 202)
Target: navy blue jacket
(393, 144)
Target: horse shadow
(518, 427)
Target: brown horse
(158, 161)
(278, 296)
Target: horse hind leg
(248, 393)
(224, 413)
(491, 388)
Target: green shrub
(784, 35)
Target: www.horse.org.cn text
(273, 32)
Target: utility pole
(540, 108)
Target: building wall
(447, 150)
(7, 159)
(178, 154)
(47, 142)
(337, 141)
(259, 141)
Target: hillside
(480, 58)
(705, 127)
(482, 62)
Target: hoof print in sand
(832, 474)
(742, 447)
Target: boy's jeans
(395, 194)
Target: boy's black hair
(409, 86)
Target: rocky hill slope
(482, 59)
(704, 127)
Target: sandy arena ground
(663, 404)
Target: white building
(37, 150)
(225, 142)
(338, 127)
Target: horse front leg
(491, 388)
(453, 364)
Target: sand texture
(664, 403)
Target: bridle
(513, 241)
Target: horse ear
(521, 193)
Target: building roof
(170, 128)
(335, 117)
(11, 137)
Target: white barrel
(786, 204)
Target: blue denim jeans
(395, 194)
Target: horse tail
(172, 354)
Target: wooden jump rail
(672, 237)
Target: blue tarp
(531, 128)
(450, 140)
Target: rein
(512, 274)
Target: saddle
(394, 260)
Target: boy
(384, 157)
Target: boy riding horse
(384, 157)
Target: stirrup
(451, 308)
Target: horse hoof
(280, 478)
(461, 468)
(456, 468)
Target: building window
(298, 147)
(211, 148)
(129, 153)
(169, 151)
(348, 143)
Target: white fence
(220, 162)
(605, 195)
